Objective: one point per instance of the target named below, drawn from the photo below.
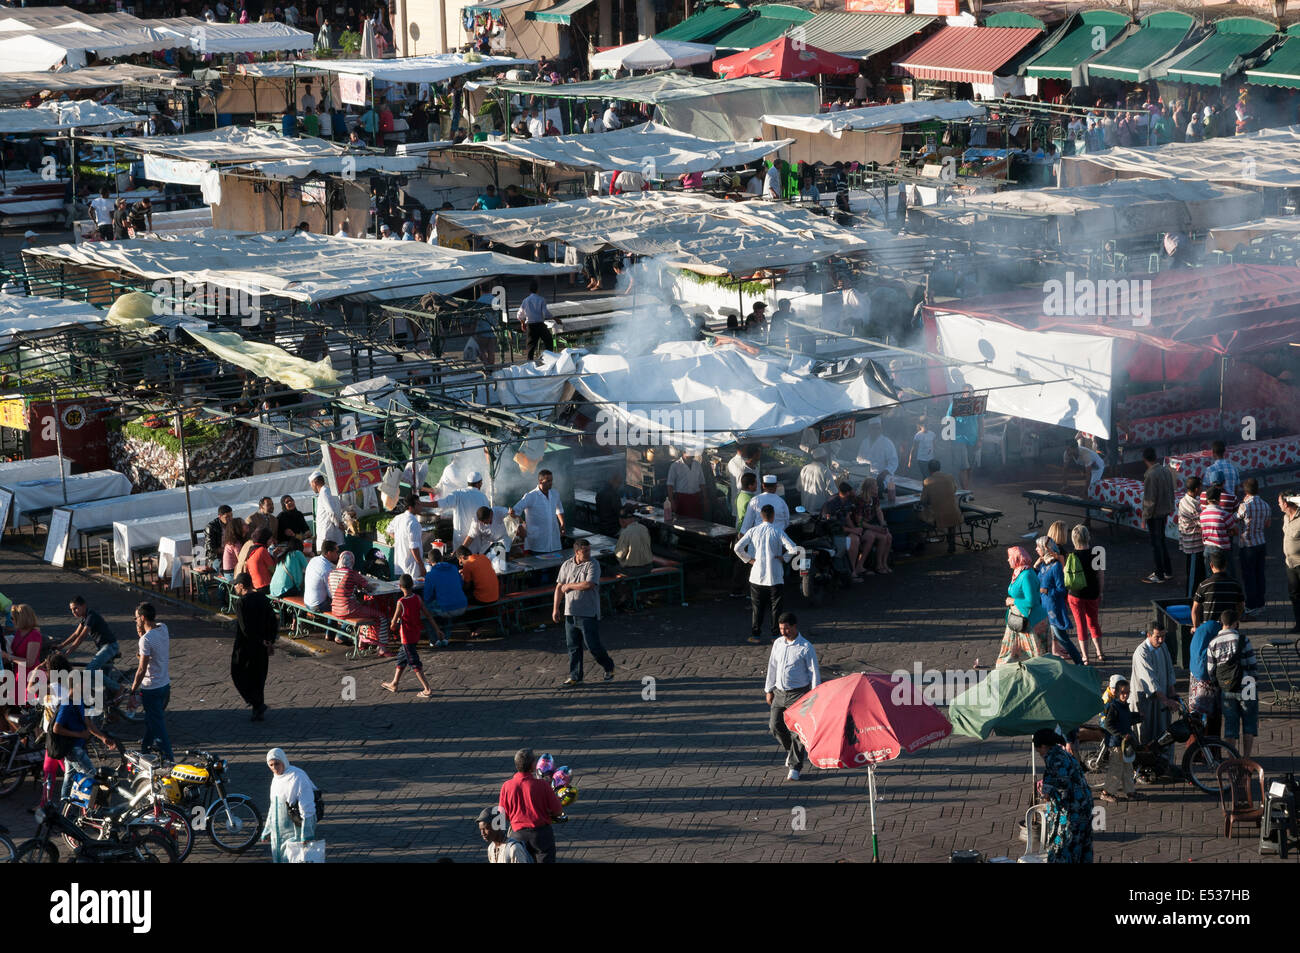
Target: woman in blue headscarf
(1051, 586)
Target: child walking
(407, 620)
(922, 451)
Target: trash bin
(1176, 614)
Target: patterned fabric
(1257, 455)
(1069, 814)
(1217, 526)
(1253, 514)
(1189, 525)
(1223, 471)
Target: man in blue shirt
(489, 200)
(1202, 691)
(1222, 470)
(966, 440)
(444, 593)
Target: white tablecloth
(134, 534)
(171, 550)
(107, 512)
(33, 495)
(41, 468)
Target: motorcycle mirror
(800, 509)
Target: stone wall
(151, 466)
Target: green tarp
(703, 27)
(560, 13)
(1132, 58)
(1222, 53)
(1091, 34)
(1282, 68)
(773, 20)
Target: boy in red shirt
(407, 621)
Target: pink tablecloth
(1161, 402)
(1124, 490)
(1257, 455)
(1192, 423)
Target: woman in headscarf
(1069, 800)
(345, 583)
(1023, 600)
(1051, 586)
(292, 814)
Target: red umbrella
(784, 58)
(865, 719)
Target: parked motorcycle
(120, 842)
(200, 791)
(130, 793)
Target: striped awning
(1282, 68)
(966, 54)
(560, 13)
(859, 35)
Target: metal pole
(72, 165)
(185, 474)
(58, 443)
(871, 793)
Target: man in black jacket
(212, 542)
(256, 627)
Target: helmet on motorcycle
(561, 777)
(567, 794)
(545, 765)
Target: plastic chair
(1036, 814)
(995, 437)
(1236, 799)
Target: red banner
(83, 426)
(350, 471)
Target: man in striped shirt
(1189, 534)
(1255, 518)
(1218, 593)
(1218, 525)
(1222, 470)
(1231, 650)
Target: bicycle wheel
(175, 824)
(1201, 763)
(36, 852)
(76, 813)
(7, 849)
(154, 847)
(12, 781)
(234, 824)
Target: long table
(131, 535)
(34, 496)
(1256, 455)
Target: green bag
(1075, 578)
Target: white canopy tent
(1270, 157)
(652, 54)
(706, 236)
(63, 116)
(216, 38)
(1228, 238)
(23, 50)
(300, 267)
(435, 68)
(15, 87)
(648, 146)
(835, 124)
(24, 315)
(686, 394)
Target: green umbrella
(1020, 698)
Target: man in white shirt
(860, 88)
(772, 184)
(492, 827)
(769, 497)
(610, 120)
(816, 482)
(880, 452)
(594, 124)
(329, 515)
(408, 540)
(792, 672)
(1084, 458)
(464, 505)
(761, 549)
(101, 210)
(686, 486)
(543, 516)
(745, 461)
(316, 594)
(308, 100)
(152, 679)
(489, 526)
(533, 315)
(536, 125)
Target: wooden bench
(665, 576)
(1064, 504)
(978, 517)
(292, 609)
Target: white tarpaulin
(649, 146)
(652, 54)
(1270, 157)
(1227, 238)
(345, 165)
(689, 394)
(1081, 402)
(436, 68)
(835, 124)
(24, 315)
(299, 267)
(699, 234)
(23, 51)
(247, 38)
(18, 86)
(31, 496)
(176, 171)
(230, 145)
(62, 116)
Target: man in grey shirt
(578, 585)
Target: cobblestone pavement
(690, 774)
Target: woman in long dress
(1023, 596)
(1069, 800)
(291, 790)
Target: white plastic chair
(1037, 813)
(995, 438)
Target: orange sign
(937, 8)
(875, 6)
(349, 470)
(13, 413)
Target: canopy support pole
(871, 793)
(72, 167)
(58, 443)
(185, 475)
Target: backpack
(1076, 580)
(1228, 672)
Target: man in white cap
(769, 497)
(329, 515)
(30, 239)
(464, 505)
(816, 482)
(385, 232)
(610, 120)
(686, 485)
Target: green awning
(1282, 68)
(1093, 31)
(1133, 58)
(1015, 19)
(773, 20)
(560, 13)
(1234, 43)
(703, 27)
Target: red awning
(966, 54)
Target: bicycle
(1201, 760)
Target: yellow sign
(13, 413)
